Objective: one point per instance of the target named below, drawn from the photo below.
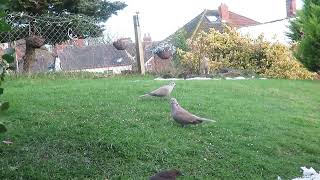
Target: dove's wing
(197, 119)
(162, 91)
(184, 116)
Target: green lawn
(99, 128)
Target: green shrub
(180, 42)
(232, 50)
(5, 59)
(305, 30)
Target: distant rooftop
(215, 19)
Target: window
(212, 18)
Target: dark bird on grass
(184, 117)
(166, 175)
(163, 91)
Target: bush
(231, 50)
(5, 59)
(179, 41)
(305, 30)
(284, 65)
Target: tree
(6, 58)
(100, 10)
(180, 42)
(54, 19)
(295, 32)
(305, 30)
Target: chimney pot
(291, 8)
(224, 12)
(147, 39)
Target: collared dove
(166, 175)
(163, 91)
(184, 117)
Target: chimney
(224, 12)
(147, 41)
(291, 8)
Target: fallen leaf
(7, 142)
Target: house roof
(205, 23)
(75, 58)
(238, 21)
(211, 19)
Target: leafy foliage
(3, 25)
(305, 30)
(230, 49)
(6, 58)
(2, 128)
(100, 10)
(54, 29)
(295, 32)
(56, 20)
(4, 64)
(180, 42)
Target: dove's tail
(145, 95)
(205, 119)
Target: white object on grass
(57, 65)
(199, 78)
(308, 174)
(169, 79)
(239, 78)
(235, 78)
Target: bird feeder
(35, 41)
(165, 54)
(120, 44)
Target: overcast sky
(161, 18)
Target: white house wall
(272, 32)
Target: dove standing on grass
(183, 117)
(163, 91)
